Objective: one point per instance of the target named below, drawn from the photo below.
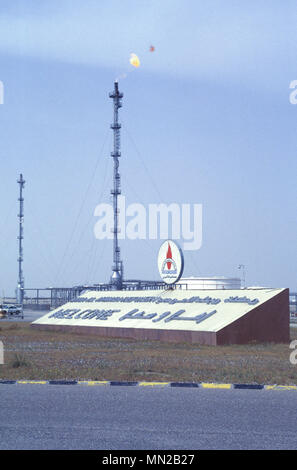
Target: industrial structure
(21, 282)
(117, 267)
(53, 297)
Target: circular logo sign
(170, 262)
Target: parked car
(12, 309)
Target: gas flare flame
(134, 60)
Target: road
(158, 418)
(29, 316)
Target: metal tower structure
(117, 267)
(21, 284)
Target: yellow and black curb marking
(203, 385)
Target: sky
(206, 119)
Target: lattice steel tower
(117, 267)
(21, 282)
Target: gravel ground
(34, 354)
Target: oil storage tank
(220, 282)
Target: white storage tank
(210, 283)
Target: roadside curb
(204, 385)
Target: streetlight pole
(243, 268)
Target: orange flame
(134, 60)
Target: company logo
(170, 262)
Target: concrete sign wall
(203, 316)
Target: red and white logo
(170, 262)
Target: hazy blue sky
(208, 112)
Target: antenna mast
(21, 285)
(117, 267)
